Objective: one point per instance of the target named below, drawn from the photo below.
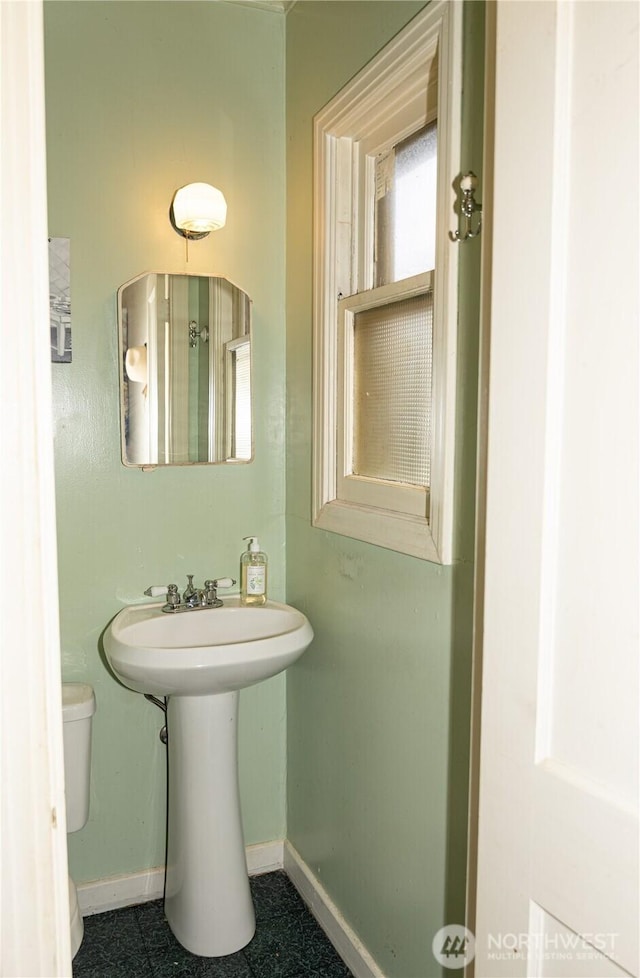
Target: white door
(557, 887)
(34, 894)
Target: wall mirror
(185, 370)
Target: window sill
(394, 531)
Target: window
(385, 293)
(405, 207)
(238, 395)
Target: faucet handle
(170, 591)
(210, 593)
(173, 598)
(157, 589)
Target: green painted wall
(141, 99)
(378, 709)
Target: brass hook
(468, 207)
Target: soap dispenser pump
(253, 574)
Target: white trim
(355, 117)
(274, 6)
(112, 892)
(481, 477)
(344, 939)
(128, 889)
(34, 896)
(264, 857)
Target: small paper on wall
(60, 299)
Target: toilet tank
(78, 707)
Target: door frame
(34, 896)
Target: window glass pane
(405, 210)
(392, 391)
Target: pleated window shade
(392, 351)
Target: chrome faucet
(192, 598)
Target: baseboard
(344, 939)
(128, 889)
(265, 857)
(112, 892)
(131, 888)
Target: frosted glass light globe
(199, 208)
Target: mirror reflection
(185, 370)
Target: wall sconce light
(196, 210)
(468, 207)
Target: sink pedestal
(207, 898)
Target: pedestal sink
(200, 659)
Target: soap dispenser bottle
(253, 574)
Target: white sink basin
(199, 653)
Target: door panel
(558, 814)
(564, 949)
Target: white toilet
(78, 707)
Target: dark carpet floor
(136, 942)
